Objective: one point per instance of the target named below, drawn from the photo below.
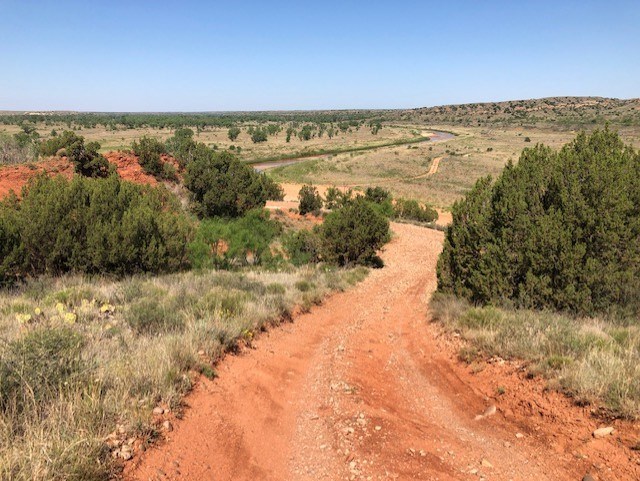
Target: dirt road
(363, 387)
(432, 170)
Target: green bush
(221, 185)
(259, 135)
(53, 145)
(331, 198)
(87, 160)
(91, 226)
(353, 234)
(182, 146)
(310, 200)
(303, 247)
(413, 210)
(560, 230)
(229, 242)
(233, 133)
(148, 150)
(377, 195)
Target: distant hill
(552, 110)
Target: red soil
(14, 177)
(364, 387)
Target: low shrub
(222, 186)
(59, 143)
(92, 226)
(335, 198)
(377, 195)
(310, 200)
(234, 242)
(233, 133)
(87, 160)
(182, 146)
(148, 150)
(353, 234)
(303, 247)
(412, 210)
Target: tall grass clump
(12, 151)
(595, 360)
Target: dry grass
(593, 360)
(475, 152)
(82, 358)
(275, 146)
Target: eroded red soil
(14, 177)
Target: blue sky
(256, 55)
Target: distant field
(357, 156)
(275, 146)
(473, 153)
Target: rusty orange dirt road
(364, 387)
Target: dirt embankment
(14, 177)
(364, 387)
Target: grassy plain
(473, 153)
(275, 146)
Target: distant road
(427, 136)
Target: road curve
(362, 387)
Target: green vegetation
(377, 195)
(85, 157)
(593, 360)
(558, 230)
(13, 152)
(182, 120)
(353, 234)
(182, 146)
(233, 133)
(223, 186)
(87, 160)
(303, 247)
(258, 135)
(235, 242)
(310, 200)
(148, 150)
(59, 144)
(90, 226)
(404, 209)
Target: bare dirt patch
(14, 177)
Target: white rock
(603, 432)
